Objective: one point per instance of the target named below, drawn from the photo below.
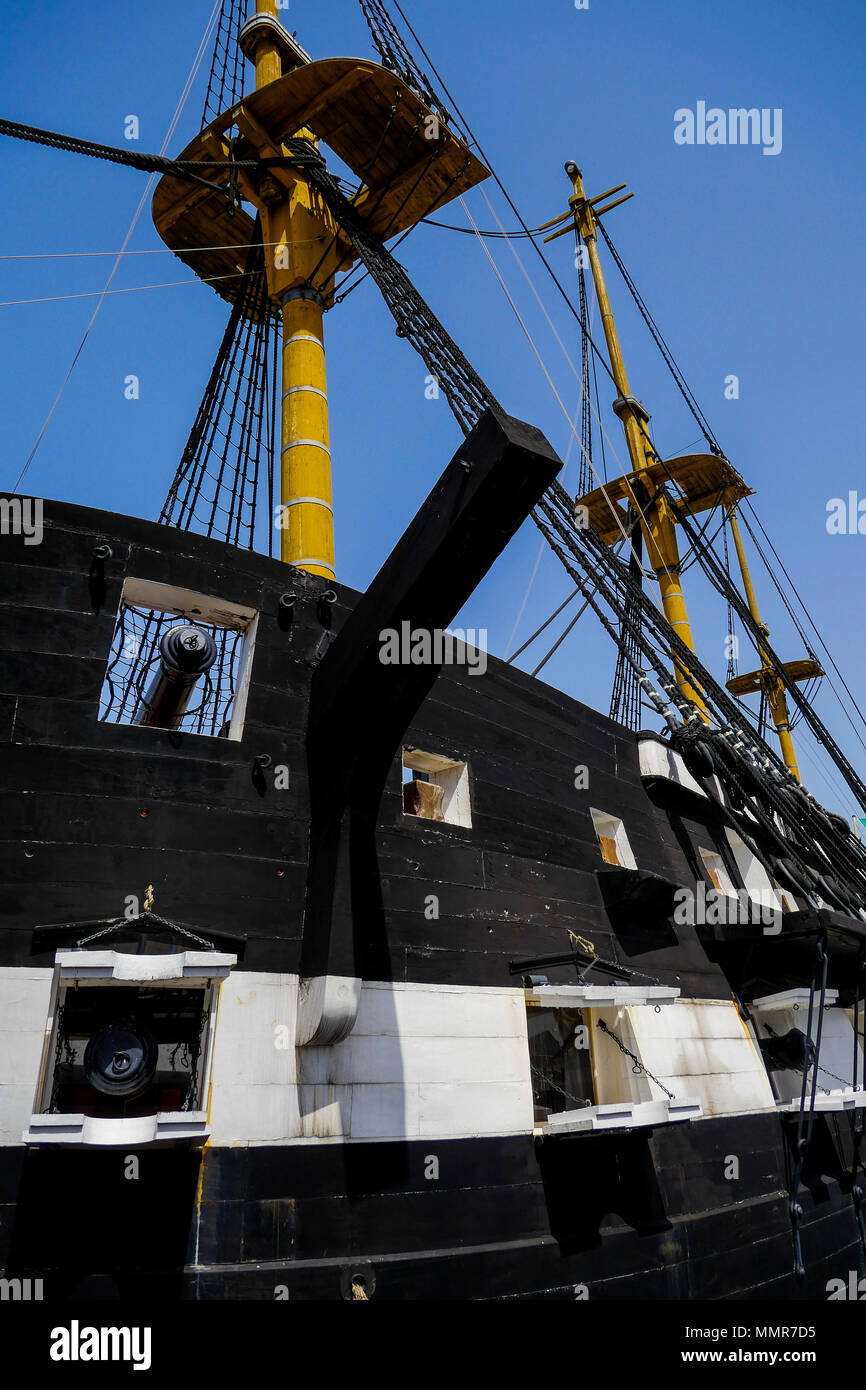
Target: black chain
(549, 1081)
(193, 1055)
(144, 919)
(64, 1059)
(639, 1069)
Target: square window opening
(125, 1051)
(612, 840)
(179, 660)
(717, 873)
(436, 788)
(560, 1062)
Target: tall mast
(657, 522)
(408, 164)
(772, 683)
(768, 679)
(705, 481)
(296, 229)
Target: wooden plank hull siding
(636, 1217)
(226, 850)
(320, 1159)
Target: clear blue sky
(752, 264)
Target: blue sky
(752, 265)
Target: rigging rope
(583, 485)
(469, 397)
(127, 289)
(732, 636)
(132, 226)
(214, 481)
(466, 393)
(225, 84)
(625, 700)
(714, 571)
(436, 347)
(687, 394)
(396, 56)
(806, 711)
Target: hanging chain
(153, 919)
(845, 1082)
(549, 1081)
(194, 1050)
(639, 1069)
(64, 1059)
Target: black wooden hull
(95, 811)
(631, 1217)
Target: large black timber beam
(360, 708)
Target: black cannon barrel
(186, 652)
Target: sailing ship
(328, 974)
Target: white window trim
(103, 966)
(186, 603)
(714, 864)
(209, 609)
(622, 1115)
(101, 1132)
(625, 1114)
(791, 999)
(203, 970)
(658, 760)
(840, 1097)
(837, 1100)
(452, 776)
(599, 996)
(756, 878)
(612, 828)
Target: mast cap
(265, 26)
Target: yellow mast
(772, 682)
(296, 230)
(768, 679)
(408, 163)
(705, 481)
(657, 521)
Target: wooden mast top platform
(408, 160)
(703, 481)
(804, 670)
